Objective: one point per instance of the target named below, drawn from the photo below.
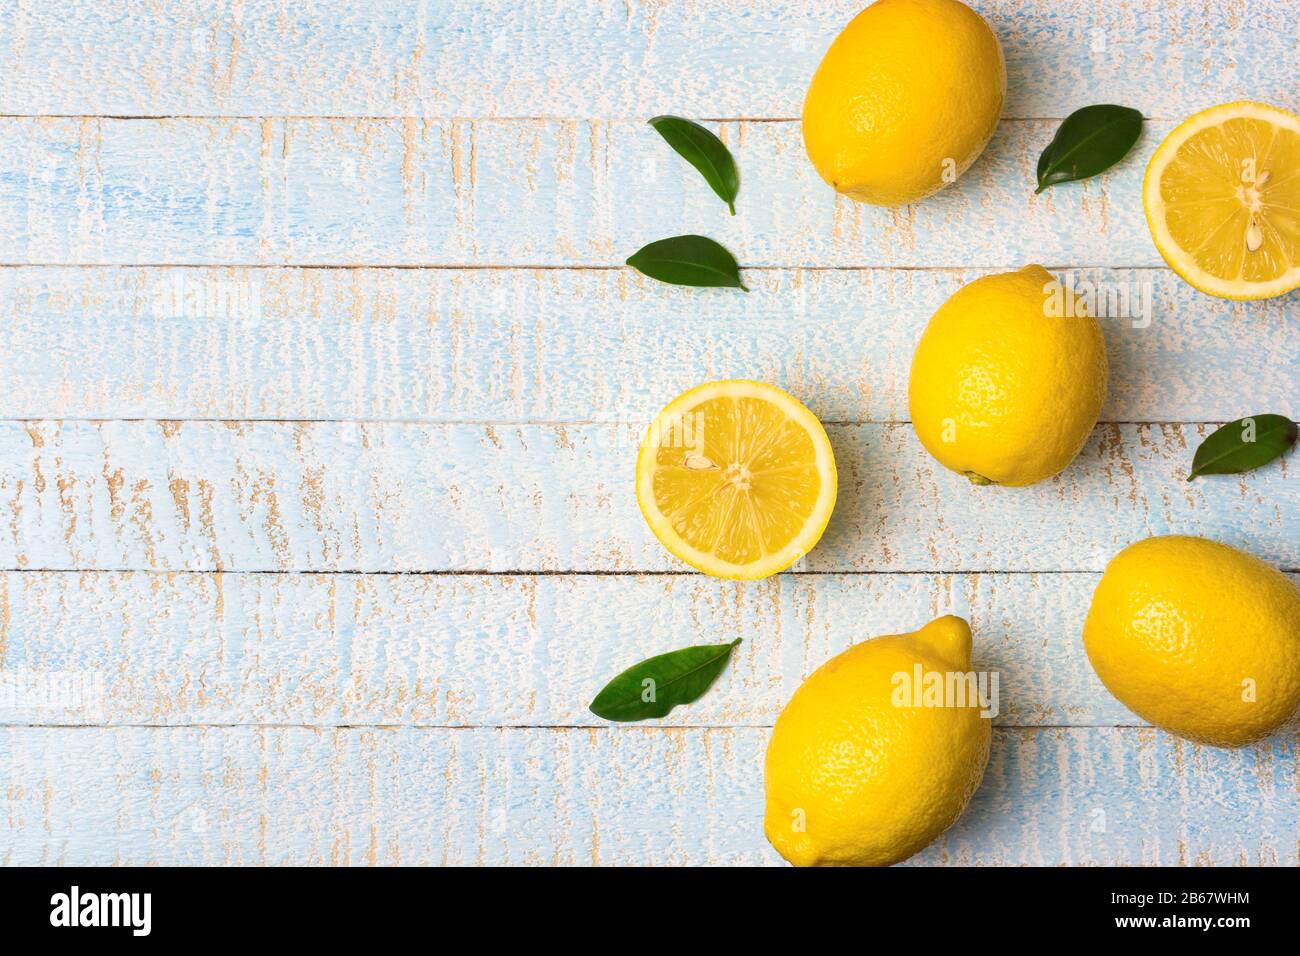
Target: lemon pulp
(736, 478)
(1222, 197)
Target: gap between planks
(552, 267)
(529, 573)
(453, 118)
(619, 728)
(497, 422)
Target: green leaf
(699, 147)
(688, 260)
(658, 684)
(1089, 141)
(1244, 444)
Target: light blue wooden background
(321, 383)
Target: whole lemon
(856, 773)
(1008, 379)
(1198, 638)
(904, 101)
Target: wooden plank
(521, 192)
(128, 648)
(343, 496)
(735, 58)
(580, 796)
(563, 345)
(113, 648)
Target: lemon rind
(813, 528)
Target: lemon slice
(1222, 198)
(736, 478)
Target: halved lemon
(736, 478)
(1222, 198)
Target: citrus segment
(736, 478)
(1222, 199)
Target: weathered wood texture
(499, 650)
(582, 796)
(736, 58)
(568, 345)
(519, 192)
(483, 140)
(344, 496)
